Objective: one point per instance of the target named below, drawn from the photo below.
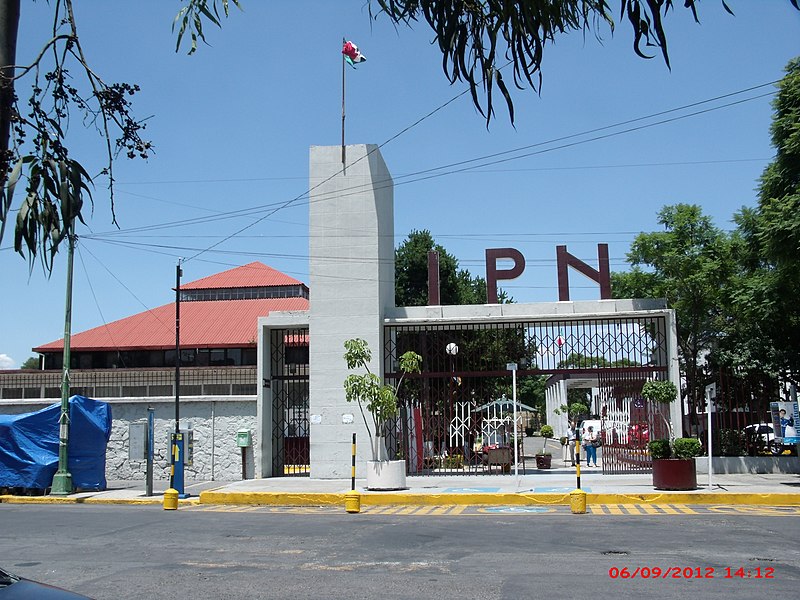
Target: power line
(437, 109)
(306, 257)
(119, 281)
(433, 170)
(477, 170)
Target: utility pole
(178, 445)
(62, 480)
(178, 274)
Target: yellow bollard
(352, 502)
(577, 502)
(171, 499)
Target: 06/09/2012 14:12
(691, 573)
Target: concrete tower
(351, 246)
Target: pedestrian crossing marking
(440, 510)
(424, 510)
(608, 510)
(386, 510)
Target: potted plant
(379, 400)
(673, 463)
(660, 390)
(673, 459)
(543, 457)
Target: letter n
(602, 276)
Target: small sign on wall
(137, 441)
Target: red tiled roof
(204, 324)
(255, 274)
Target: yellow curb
(491, 499)
(416, 499)
(273, 498)
(775, 499)
(475, 499)
(8, 499)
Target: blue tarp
(29, 445)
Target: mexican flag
(351, 54)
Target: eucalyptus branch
(92, 77)
(25, 70)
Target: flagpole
(343, 70)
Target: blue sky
(232, 126)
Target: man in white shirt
(571, 437)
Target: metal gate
(629, 422)
(456, 416)
(289, 386)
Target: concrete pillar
(351, 247)
(673, 364)
(262, 449)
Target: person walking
(571, 437)
(589, 439)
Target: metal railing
(130, 383)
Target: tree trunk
(9, 25)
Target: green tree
(762, 332)
(35, 163)
(578, 403)
(379, 399)
(532, 391)
(582, 361)
(31, 363)
(690, 264)
(478, 39)
(411, 271)
(456, 286)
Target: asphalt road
(121, 552)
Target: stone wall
(214, 421)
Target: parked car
(762, 431)
(14, 587)
(638, 434)
(763, 435)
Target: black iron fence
(288, 386)
(741, 421)
(130, 383)
(457, 417)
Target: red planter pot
(543, 461)
(677, 474)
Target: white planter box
(750, 464)
(386, 475)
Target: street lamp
(452, 350)
(513, 368)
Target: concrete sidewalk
(534, 487)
